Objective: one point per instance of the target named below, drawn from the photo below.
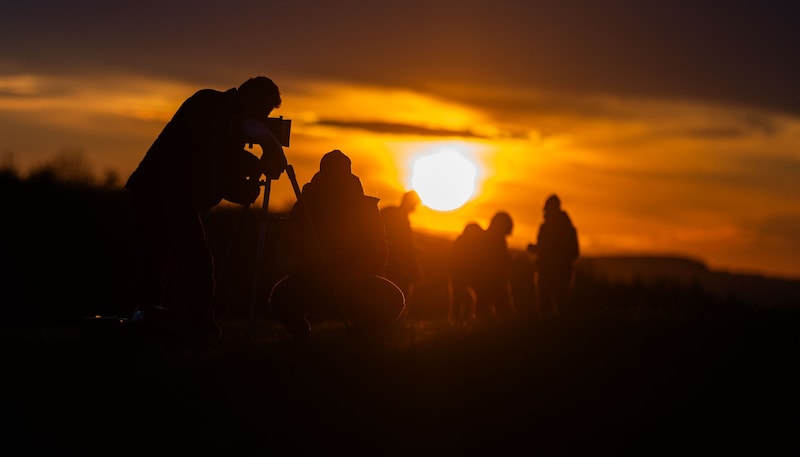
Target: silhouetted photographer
(199, 159)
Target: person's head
(471, 228)
(335, 163)
(258, 96)
(552, 204)
(501, 223)
(335, 175)
(410, 200)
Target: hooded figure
(557, 250)
(334, 250)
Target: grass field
(643, 368)
(603, 384)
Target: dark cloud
(398, 129)
(737, 126)
(741, 52)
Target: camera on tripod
(281, 128)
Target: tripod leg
(293, 179)
(299, 195)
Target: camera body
(281, 128)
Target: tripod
(262, 232)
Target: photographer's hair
(263, 89)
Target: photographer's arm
(273, 160)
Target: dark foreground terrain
(606, 384)
(663, 358)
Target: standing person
(197, 160)
(556, 250)
(464, 270)
(492, 288)
(402, 265)
(334, 249)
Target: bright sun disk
(444, 180)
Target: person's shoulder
(390, 211)
(308, 190)
(202, 98)
(365, 204)
(205, 93)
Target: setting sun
(444, 180)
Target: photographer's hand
(243, 191)
(273, 160)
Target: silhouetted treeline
(65, 247)
(68, 252)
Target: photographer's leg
(196, 269)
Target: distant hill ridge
(751, 289)
(628, 268)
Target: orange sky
(645, 161)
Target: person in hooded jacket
(334, 250)
(556, 251)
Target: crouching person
(335, 250)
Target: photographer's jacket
(198, 159)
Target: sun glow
(444, 179)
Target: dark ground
(609, 384)
(644, 368)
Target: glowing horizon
(714, 182)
